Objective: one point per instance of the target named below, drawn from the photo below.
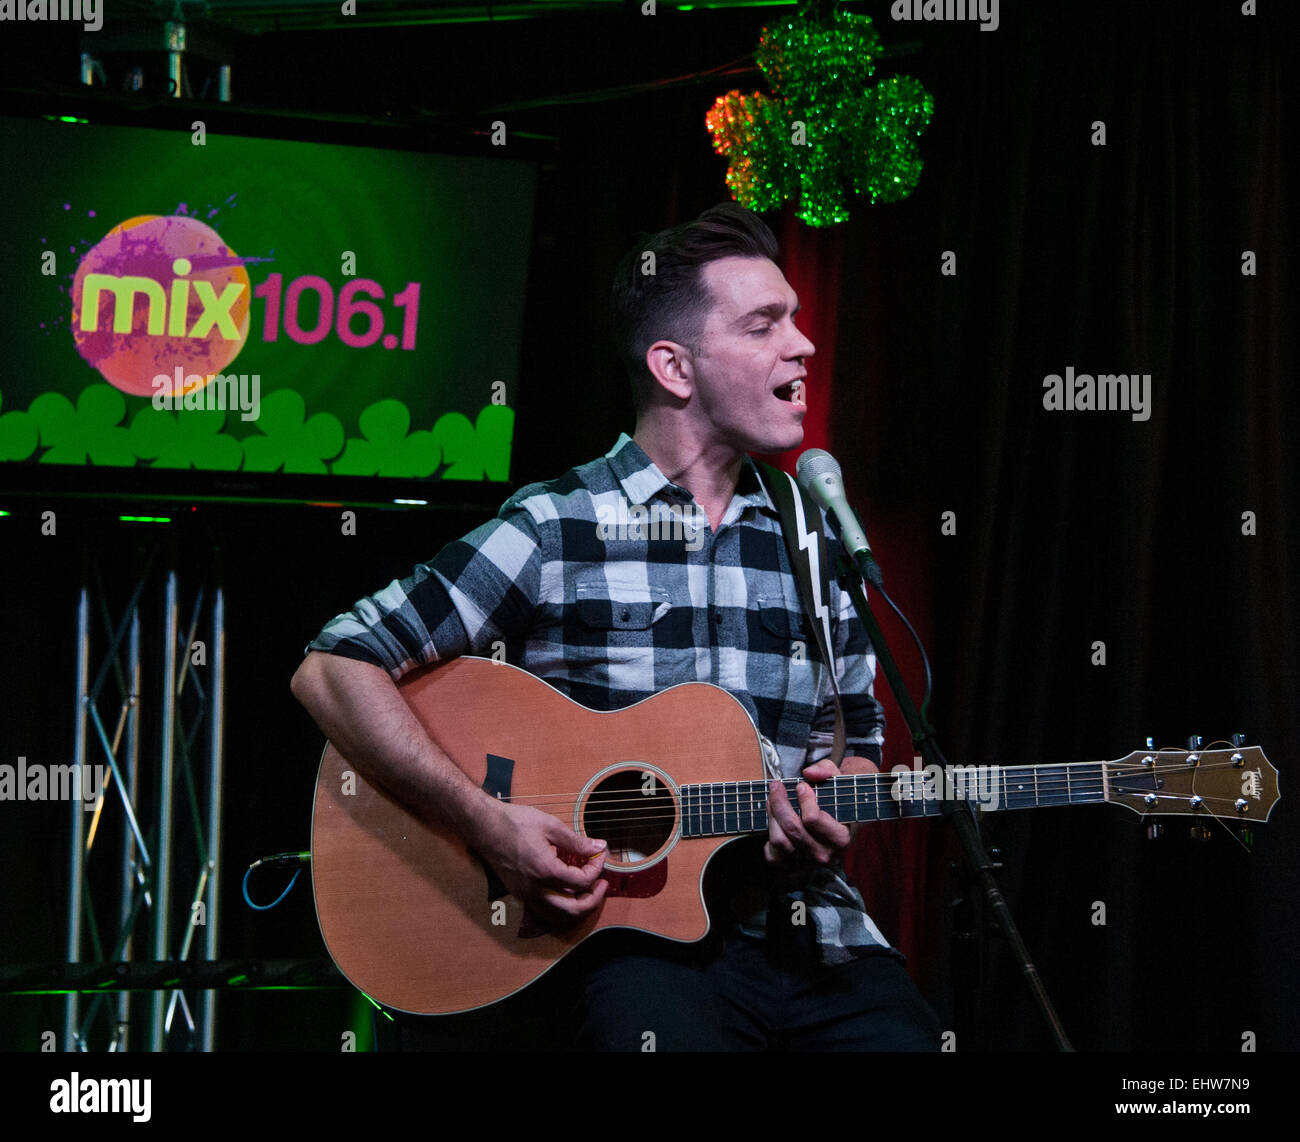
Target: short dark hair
(672, 303)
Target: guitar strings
(732, 793)
(746, 788)
(1068, 783)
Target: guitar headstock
(1231, 783)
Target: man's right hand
(554, 871)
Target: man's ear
(673, 368)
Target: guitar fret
(739, 808)
(1017, 797)
(880, 802)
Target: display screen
(195, 301)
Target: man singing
(705, 322)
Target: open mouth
(793, 393)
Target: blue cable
(282, 858)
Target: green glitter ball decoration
(826, 134)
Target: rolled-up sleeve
(476, 592)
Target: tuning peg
(995, 858)
(1200, 832)
(1247, 836)
(1155, 831)
(1195, 741)
(1238, 740)
(1151, 743)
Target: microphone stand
(978, 863)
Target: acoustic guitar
(417, 921)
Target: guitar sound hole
(633, 811)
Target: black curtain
(1081, 528)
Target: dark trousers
(622, 991)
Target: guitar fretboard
(731, 808)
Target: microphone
(818, 473)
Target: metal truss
(176, 921)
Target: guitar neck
(733, 808)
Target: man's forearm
(364, 715)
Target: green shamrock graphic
(288, 439)
(18, 434)
(479, 451)
(186, 439)
(91, 429)
(387, 450)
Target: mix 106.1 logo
(164, 294)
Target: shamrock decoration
(478, 451)
(825, 135)
(92, 429)
(386, 448)
(290, 440)
(190, 438)
(286, 438)
(19, 434)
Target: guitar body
(414, 919)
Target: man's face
(749, 354)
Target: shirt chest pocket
(783, 629)
(619, 614)
(778, 619)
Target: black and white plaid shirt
(601, 583)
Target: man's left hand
(810, 834)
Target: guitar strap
(806, 546)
